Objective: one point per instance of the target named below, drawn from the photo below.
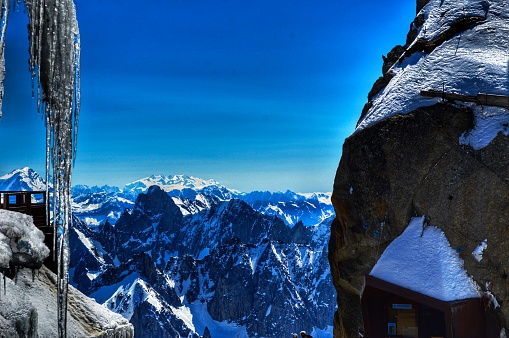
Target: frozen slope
(31, 300)
(28, 305)
(470, 62)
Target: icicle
(54, 62)
(3, 27)
(54, 47)
(5, 288)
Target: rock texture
(28, 309)
(229, 267)
(413, 165)
(409, 165)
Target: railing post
(28, 202)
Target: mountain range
(182, 256)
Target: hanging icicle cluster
(3, 27)
(54, 63)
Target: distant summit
(180, 185)
(95, 205)
(24, 179)
(169, 183)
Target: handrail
(481, 98)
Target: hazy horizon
(255, 95)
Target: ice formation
(54, 62)
(3, 26)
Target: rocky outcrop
(377, 189)
(21, 243)
(412, 165)
(28, 308)
(415, 164)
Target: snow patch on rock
(422, 260)
(471, 62)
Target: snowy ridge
(471, 62)
(22, 180)
(95, 204)
(193, 270)
(178, 184)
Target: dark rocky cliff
(227, 266)
(414, 164)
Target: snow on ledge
(422, 260)
(489, 122)
(29, 249)
(478, 251)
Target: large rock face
(397, 166)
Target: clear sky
(256, 94)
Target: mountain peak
(169, 183)
(23, 179)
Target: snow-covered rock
(28, 305)
(21, 243)
(422, 260)
(445, 157)
(28, 308)
(473, 60)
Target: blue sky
(256, 94)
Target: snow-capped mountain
(21, 180)
(182, 256)
(291, 207)
(228, 268)
(180, 185)
(96, 204)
